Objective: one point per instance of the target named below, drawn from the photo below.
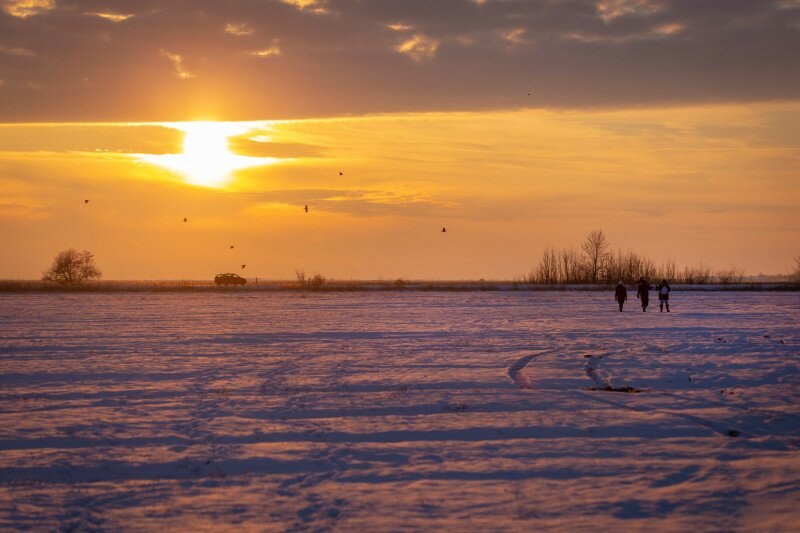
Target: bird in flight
(341, 173)
(306, 209)
(86, 201)
(232, 246)
(243, 266)
(185, 219)
(444, 230)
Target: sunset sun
(206, 158)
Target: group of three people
(643, 293)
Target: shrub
(312, 283)
(730, 275)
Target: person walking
(663, 294)
(620, 295)
(643, 293)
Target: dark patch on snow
(609, 388)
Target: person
(620, 295)
(643, 292)
(663, 294)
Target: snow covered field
(399, 411)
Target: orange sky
(711, 183)
(670, 125)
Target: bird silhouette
(185, 219)
(86, 201)
(243, 266)
(232, 246)
(341, 173)
(306, 209)
(444, 230)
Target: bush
(307, 282)
(72, 267)
(730, 275)
(697, 275)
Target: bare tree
(595, 253)
(71, 267)
(794, 277)
(571, 271)
(547, 271)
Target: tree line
(597, 262)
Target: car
(229, 279)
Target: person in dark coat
(620, 295)
(643, 293)
(663, 294)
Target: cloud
(177, 62)
(613, 9)
(515, 36)
(28, 8)
(15, 51)
(238, 29)
(314, 6)
(418, 47)
(252, 148)
(111, 16)
(266, 52)
(364, 56)
(354, 202)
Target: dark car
(229, 279)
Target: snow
(399, 410)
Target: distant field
(254, 284)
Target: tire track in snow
(516, 368)
(603, 383)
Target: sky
(518, 125)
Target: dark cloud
(259, 59)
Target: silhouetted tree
(547, 271)
(794, 277)
(595, 253)
(571, 270)
(72, 266)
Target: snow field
(386, 411)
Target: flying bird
(341, 173)
(444, 230)
(232, 246)
(86, 201)
(243, 266)
(306, 209)
(185, 219)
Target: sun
(206, 158)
